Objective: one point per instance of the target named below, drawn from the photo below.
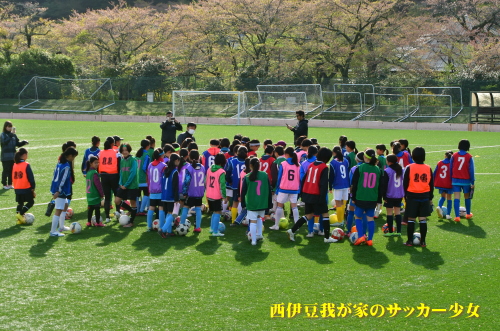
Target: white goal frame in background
(313, 92)
(35, 98)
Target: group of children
(232, 177)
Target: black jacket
(9, 142)
(300, 129)
(183, 137)
(168, 130)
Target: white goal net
(206, 103)
(70, 95)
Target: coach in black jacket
(302, 126)
(168, 129)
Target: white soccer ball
(353, 237)
(188, 223)
(156, 224)
(182, 230)
(245, 221)
(92, 220)
(416, 239)
(29, 218)
(462, 212)
(75, 227)
(124, 220)
(316, 228)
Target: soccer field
(117, 278)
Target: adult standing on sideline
(9, 142)
(301, 128)
(168, 129)
(191, 128)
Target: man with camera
(168, 129)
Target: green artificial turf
(117, 278)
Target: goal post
(67, 94)
(310, 93)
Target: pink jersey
(299, 154)
(213, 184)
(290, 177)
(242, 177)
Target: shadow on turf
(13, 230)
(368, 255)
(418, 255)
(43, 246)
(471, 230)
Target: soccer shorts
(417, 208)
(253, 215)
(215, 205)
(341, 194)
(316, 208)
(359, 211)
(445, 190)
(464, 188)
(391, 203)
(60, 203)
(284, 197)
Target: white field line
(40, 204)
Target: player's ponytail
(152, 141)
(19, 154)
(395, 165)
(448, 154)
(247, 164)
(396, 148)
(342, 141)
(382, 148)
(312, 151)
(194, 156)
(337, 151)
(108, 144)
(255, 165)
(291, 154)
(370, 154)
(70, 151)
(144, 143)
(352, 145)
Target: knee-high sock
(390, 222)
(398, 223)
(359, 227)
(340, 214)
(97, 209)
(138, 202)
(278, 215)
(90, 211)
(423, 231)
(168, 223)
(55, 224)
(19, 208)
(259, 227)
(321, 227)
(310, 225)
(198, 216)
(239, 208)
(125, 206)
(295, 212)
(371, 229)
(275, 203)
(133, 214)
(468, 205)
(177, 206)
(350, 220)
(144, 203)
(224, 206)
(184, 214)
(448, 206)
(61, 219)
(456, 204)
(410, 229)
(234, 214)
(253, 232)
(365, 224)
(241, 216)
(162, 218)
(326, 226)
(150, 216)
(299, 223)
(215, 222)
(441, 202)
(24, 209)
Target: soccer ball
(385, 228)
(445, 211)
(333, 219)
(338, 234)
(354, 229)
(75, 227)
(204, 208)
(188, 223)
(177, 221)
(29, 218)
(191, 211)
(316, 228)
(222, 227)
(416, 239)
(245, 221)
(92, 220)
(353, 237)
(156, 224)
(283, 224)
(182, 230)
(226, 217)
(124, 220)
(462, 212)
(69, 213)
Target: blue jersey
(339, 176)
(233, 169)
(88, 152)
(305, 165)
(170, 187)
(61, 180)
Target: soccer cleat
(329, 240)
(100, 225)
(321, 233)
(11, 186)
(259, 238)
(162, 234)
(217, 234)
(408, 243)
(291, 235)
(197, 230)
(457, 219)
(234, 224)
(5, 187)
(57, 234)
(64, 228)
(274, 227)
(423, 244)
(254, 243)
(117, 215)
(140, 214)
(439, 211)
(88, 224)
(369, 242)
(469, 216)
(20, 219)
(448, 217)
(107, 220)
(171, 234)
(310, 235)
(389, 234)
(128, 225)
(360, 241)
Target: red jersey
(461, 165)
(312, 178)
(442, 176)
(265, 165)
(404, 160)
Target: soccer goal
(305, 97)
(206, 103)
(348, 100)
(69, 95)
(273, 104)
(436, 103)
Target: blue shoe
(57, 234)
